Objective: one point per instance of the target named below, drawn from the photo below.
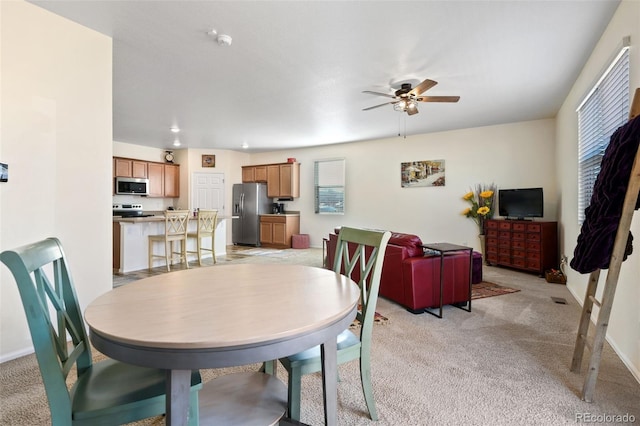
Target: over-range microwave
(132, 186)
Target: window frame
(331, 182)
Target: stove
(129, 210)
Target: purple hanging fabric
(598, 232)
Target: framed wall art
(4, 172)
(208, 161)
(422, 173)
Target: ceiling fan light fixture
(222, 39)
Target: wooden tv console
(522, 244)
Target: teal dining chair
(359, 255)
(107, 392)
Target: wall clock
(169, 157)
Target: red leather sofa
(412, 279)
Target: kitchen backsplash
(147, 203)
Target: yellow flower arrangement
(481, 204)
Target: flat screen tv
(520, 203)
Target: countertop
(158, 218)
(289, 213)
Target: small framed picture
(208, 161)
(4, 172)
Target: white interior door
(207, 191)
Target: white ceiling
(295, 72)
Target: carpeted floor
(505, 363)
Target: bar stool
(175, 229)
(207, 221)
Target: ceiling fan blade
(378, 93)
(411, 111)
(378, 106)
(425, 85)
(438, 99)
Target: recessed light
(175, 129)
(245, 145)
(176, 143)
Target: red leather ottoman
(426, 272)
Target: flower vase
(481, 238)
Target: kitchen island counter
(131, 240)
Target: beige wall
(513, 155)
(56, 138)
(624, 326)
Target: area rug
(377, 319)
(487, 289)
(265, 252)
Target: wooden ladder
(611, 282)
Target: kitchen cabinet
(276, 230)
(116, 246)
(126, 167)
(260, 173)
(171, 180)
(248, 174)
(254, 174)
(283, 180)
(156, 179)
(164, 180)
(522, 244)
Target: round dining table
(223, 316)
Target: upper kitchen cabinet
(254, 174)
(156, 180)
(126, 167)
(283, 180)
(172, 180)
(164, 180)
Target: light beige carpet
(505, 363)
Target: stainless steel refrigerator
(249, 202)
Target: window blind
(329, 186)
(605, 108)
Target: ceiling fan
(406, 98)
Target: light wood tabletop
(221, 316)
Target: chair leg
(168, 248)
(213, 247)
(194, 409)
(150, 254)
(367, 389)
(270, 367)
(293, 391)
(199, 251)
(183, 245)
